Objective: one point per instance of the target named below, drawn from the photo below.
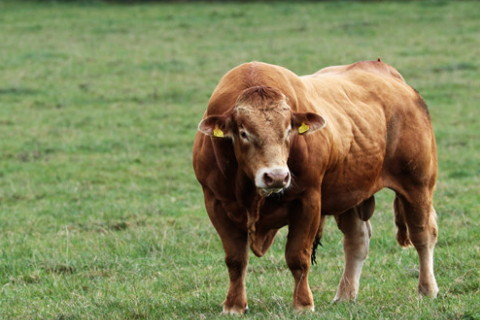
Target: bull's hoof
(234, 310)
(430, 291)
(346, 293)
(344, 298)
(304, 308)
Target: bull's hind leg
(418, 215)
(357, 233)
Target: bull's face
(261, 127)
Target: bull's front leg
(235, 245)
(303, 227)
(236, 259)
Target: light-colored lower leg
(424, 240)
(427, 285)
(356, 242)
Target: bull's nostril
(287, 177)
(267, 179)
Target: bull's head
(261, 126)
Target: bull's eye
(244, 135)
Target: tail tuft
(402, 238)
(314, 249)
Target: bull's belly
(352, 183)
(339, 200)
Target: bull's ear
(307, 122)
(217, 126)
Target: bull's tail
(318, 239)
(314, 249)
(403, 238)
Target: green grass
(100, 214)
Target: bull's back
(376, 67)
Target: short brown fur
(377, 135)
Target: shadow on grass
(427, 3)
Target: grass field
(100, 214)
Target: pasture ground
(100, 214)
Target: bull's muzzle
(272, 180)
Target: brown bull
(276, 149)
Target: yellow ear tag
(217, 132)
(303, 128)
